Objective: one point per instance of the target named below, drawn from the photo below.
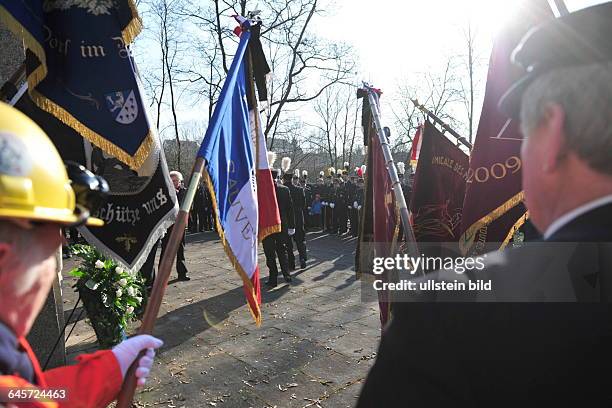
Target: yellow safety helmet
(34, 184)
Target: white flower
(129, 309)
(122, 281)
(119, 293)
(131, 291)
(139, 299)
(119, 270)
(99, 264)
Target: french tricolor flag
(416, 147)
(238, 176)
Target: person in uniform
(357, 205)
(299, 203)
(341, 206)
(37, 200)
(328, 200)
(209, 212)
(318, 192)
(543, 333)
(275, 245)
(351, 192)
(196, 220)
(181, 266)
(309, 196)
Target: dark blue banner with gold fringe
(80, 69)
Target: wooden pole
(161, 281)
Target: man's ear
(554, 124)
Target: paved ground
(314, 348)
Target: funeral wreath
(112, 296)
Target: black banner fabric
(439, 188)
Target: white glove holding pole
(332, 205)
(291, 231)
(323, 203)
(359, 208)
(127, 351)
(355, 205)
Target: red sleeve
(94, 382)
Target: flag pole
(161, 281)
(396, 185)
(559, 8)
(440, 122)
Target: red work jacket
(94, 382)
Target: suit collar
(594, 225)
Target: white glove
(323, 203)
(291, 231)
(355, 205)
(359, 208)
(332, 205)
(127, 351)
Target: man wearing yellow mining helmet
(36, 199)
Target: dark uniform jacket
(340, 197)
(359, 194)
(350, 190)
(326, 192)
(522, 354)
(299, 202)
(198, 199)
(285, 207)
(308, 195)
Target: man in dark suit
(148, 268)
(299, 203)
(276, 244)
(544, 334)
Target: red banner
(493, 209)
(380, 220)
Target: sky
(395, 41)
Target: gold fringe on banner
(134, 27)
(518, 224)
(265, 232)
(230, 254)
(467, 239)
(63, 115)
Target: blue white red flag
(230, 174)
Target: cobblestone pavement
(313, 349)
